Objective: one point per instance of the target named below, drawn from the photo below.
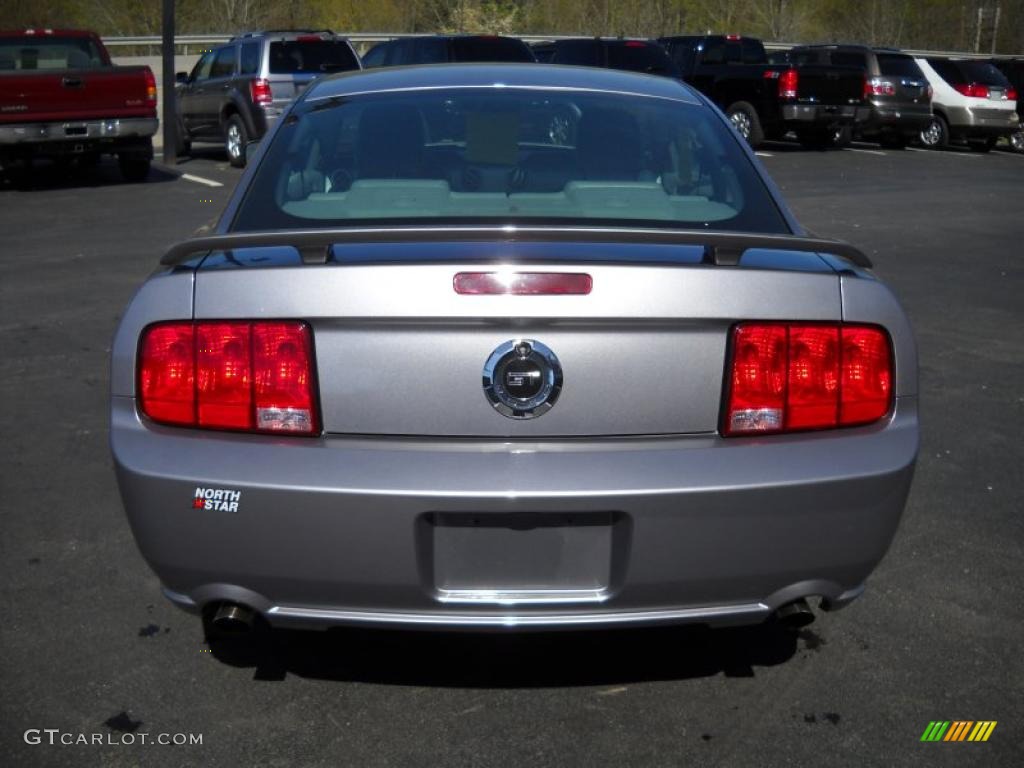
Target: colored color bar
(927, 735)
(988, 731)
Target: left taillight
(150, 87)
(260, 91)
(790, 377)
(256, 376)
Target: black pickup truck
(766, 100)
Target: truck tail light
(876, 86)
(150, 86)
(788, 82)
(788, 377)
(259, 89)
(1011, 94)
(250, 376)
(974, 90)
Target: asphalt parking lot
(89, 646)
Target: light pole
(170, 153)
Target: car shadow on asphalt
(44, 176)
(520, 660)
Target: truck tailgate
(75, 94)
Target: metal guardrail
(364, 38)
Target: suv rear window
(490, 49)
(639, 56)
(291, 57)
(458, 155)
(895, 65)
(967, 71)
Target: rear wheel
(1017, 141)
(744, 118)
(235, 139)
(936, 134)
(842, 135)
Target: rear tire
(134, 166)
(744, 119)
(235, 139)
(936, 135)
(842, 136)
(1017, 141)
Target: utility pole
(170, 125)
(995, 29)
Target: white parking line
(764, 154)
(939, 153)
(865, 151)
(201, 180)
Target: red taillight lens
(1011, 94)
(283, 376)
(253, 376)
(796, 376)
(167, 373)
(876, 86)
(224, 375)
(150, 86)
(973, 90)
(788, 82)
(259, 89)
(523, 283)
(866, 383)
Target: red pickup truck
(61, 97)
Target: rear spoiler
(314, 245)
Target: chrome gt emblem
(522, 379)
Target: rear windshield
(506, 156)
(490, 49)
(957, 72)
(899, 66)
(639, 56)
(291, 57)
(27, 53)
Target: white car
(972, 101)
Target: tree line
(960, 25)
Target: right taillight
(789, 377)
(972, 90)
(788, 82)
(260, 91)
(253, 376)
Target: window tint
(801, 57)
(430, 50)
(639, 56)
(849, 59)
(752, 51)
(490, 49)
(376, 55)
(981, 72)
(223, 62)
(583, 53)
(714, 52)
(895, 65)
(250, 58)
(456, 155)
(683, 52)
(946, 70)
(290, 57)
(19, 53)
(202, 68)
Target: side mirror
(250, 150)
(181, 78)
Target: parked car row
(823, 94)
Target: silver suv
(236, 92)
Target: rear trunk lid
(399, 352)
(74, 94)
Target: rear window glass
(506, 156)
(26, 53)
(899, 66)
(490, 49)
(292, 57)
(584, 53)
(250, 58)
(849, 59)
(639, 56)
(957, 72)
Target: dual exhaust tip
(794, 615)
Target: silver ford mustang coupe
(511, 346)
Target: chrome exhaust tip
(231, 618)
(794, 615)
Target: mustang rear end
(438, 368)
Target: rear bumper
(345, 530)
(824, 113)
(74, 131)
(982, 121)
(907, 119)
